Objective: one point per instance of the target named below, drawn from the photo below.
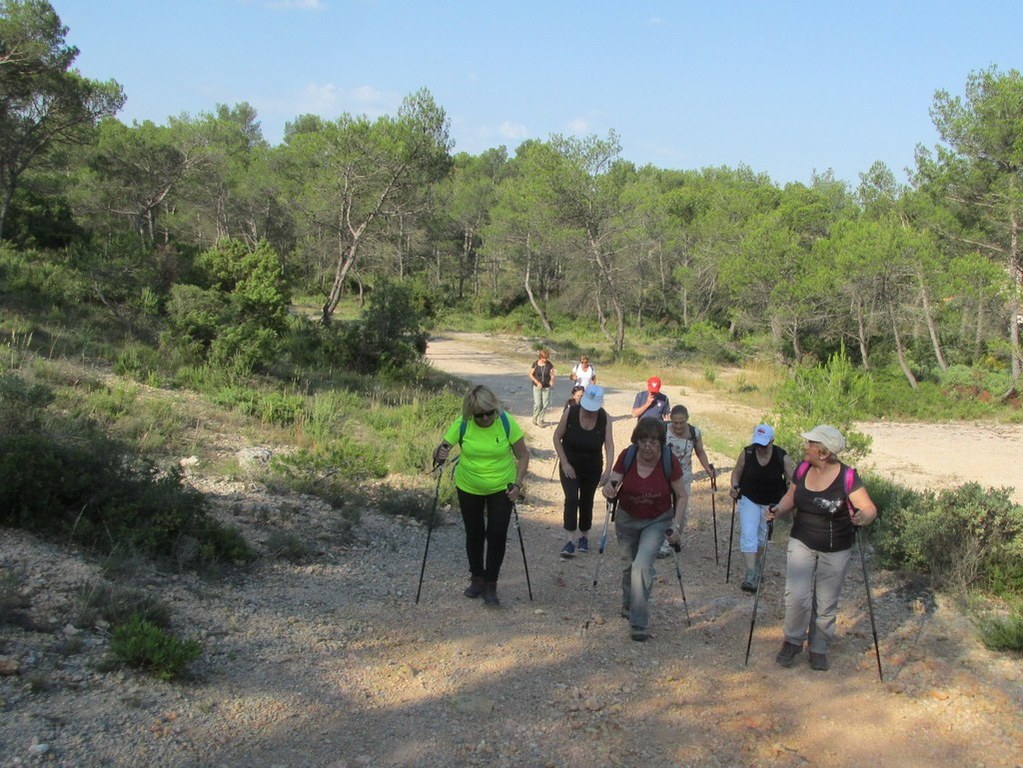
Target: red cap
(653, 384)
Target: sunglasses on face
(485, 414)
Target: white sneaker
(664, 551)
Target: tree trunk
(532, 300)
(899, 348)
(932, 328)
(599, 302)
(1016, 273)
(861, 333)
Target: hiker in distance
(541, 374)
(493, 457)
(651, 403)
(760, 478)
(830, 501)
(685, 439)
(576, 396)
(584, 374)
(644, 478)
(585, 446)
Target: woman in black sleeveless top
(585, 448)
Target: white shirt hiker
(584, 377)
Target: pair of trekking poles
(612, 508)
(760, 581)
(439, 469)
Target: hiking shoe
(490, 593)
(749, 583)
(819, 661)
(568, 550)
(584, 545)
(664, 551)
(475, 588)
(787, 655)
(639, 634)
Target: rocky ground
(330, 662)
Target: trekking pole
(675, 549)
(522, 544)
(870, 605)
(439, 469)
(714, 509)
(760, 581)
(612, 505)
(731, 533)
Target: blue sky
(787, 88)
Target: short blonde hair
(479, 399)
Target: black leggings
(579, 495)
(486, 521)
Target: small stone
(39, 748)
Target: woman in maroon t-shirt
(645, 517)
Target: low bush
(65, 479)
(141, 643)
(117, 605)
(965, 538)
(1002, 632)
(834, 393)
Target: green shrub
(707, 342)
(389, 335)
(416, 503)
(140, 643)
(117, 605)
(328, 471)
(967, 537)
(63, 478)
(836, 393)
(288, 546)
(1003, 632)
(269, 407)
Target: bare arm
(701, 454)
(740, 464)
(864, 511)
(790, 468)
(609, 452)
(783, 507)
(521, 467)
(559, 434)
(640, 409)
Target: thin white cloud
(655, 21)
(330, 101)
(296, 5)
(510, 130)
(578, 126)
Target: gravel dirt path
(331, 663)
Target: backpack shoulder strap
(666, 462)
(464, 425)
(802, 469)
(630, 457)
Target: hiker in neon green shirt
(489, 476)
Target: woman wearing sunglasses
(489, 476)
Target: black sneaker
(819, 661)
(639, 634)
(787, 655)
